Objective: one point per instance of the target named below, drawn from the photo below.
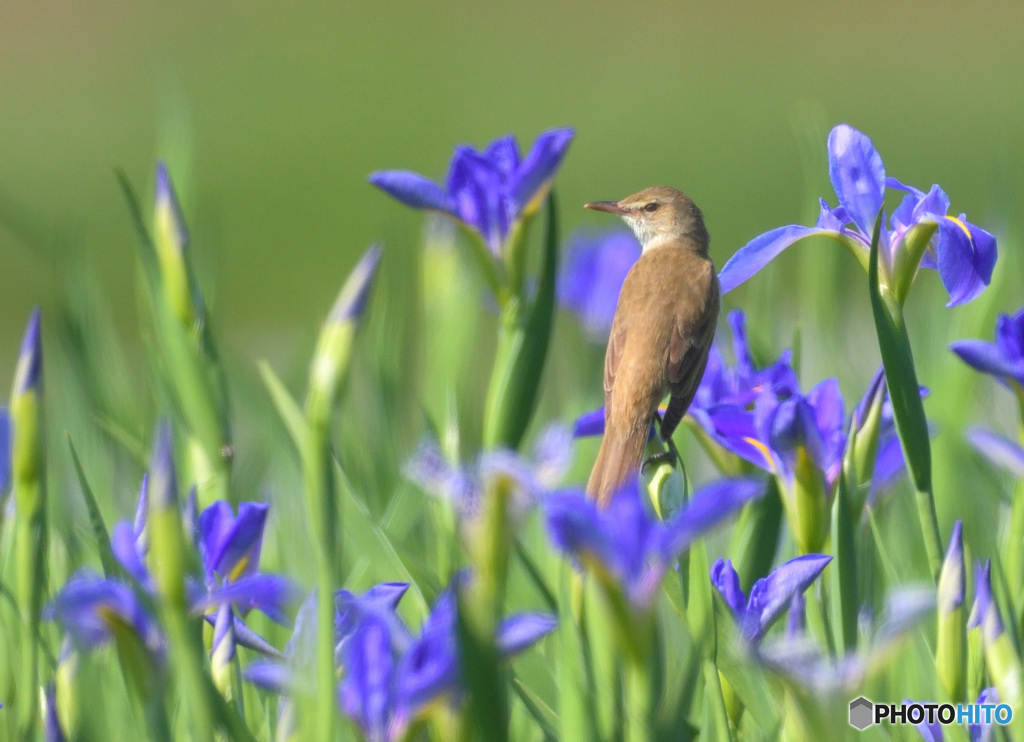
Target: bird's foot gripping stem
(670, 457)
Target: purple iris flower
(1004, 358)
(88, 607)
(389, 681)
(489, 191)
(230, 550)
(591, 277)
(776, 435)
(783, 424)
(91, 609)
(231, 587)
(390, 675)
(770, 596)
(741, 383)
(964, 254)
(629, 549)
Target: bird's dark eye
(652, 206)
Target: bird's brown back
(663, 326)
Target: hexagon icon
(861, 713)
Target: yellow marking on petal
(764, 452)
(113, 620)
(961, 225)
(239, 568)
(107, 614)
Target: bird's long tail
(619, 458)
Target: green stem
(716, 702)
(904, 391)
(321, 501)
(930, 529)
(641, 703)
(490, 267)
(480, 608)
(843, 585)
(522, 349)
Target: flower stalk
(28, 466)
(167, 543)
(327, 374)
(908, 410)
(951, 643)
(523, 342)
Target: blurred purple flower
(592, 274)
(488, 191)
(463, 487)
(796, 622)
(230, 547)
(232, 586)
(390, 675)
(985, 611)
(963, 253)
(630, 550)
(1004, 358)
(770, 596)
(386, 694)
(800, 660)
(92, 609)
(1002, 452)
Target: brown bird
(663, 327)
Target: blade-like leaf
(700, 606)
(286, 406)
(756, 536)
(843, 592)
(539, 711)
(577, 716)
(147, 251)
(905, 394)
(522, 350)
(99, 529)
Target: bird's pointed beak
(612, 207)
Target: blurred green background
(271, 117)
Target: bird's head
(660, 214)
